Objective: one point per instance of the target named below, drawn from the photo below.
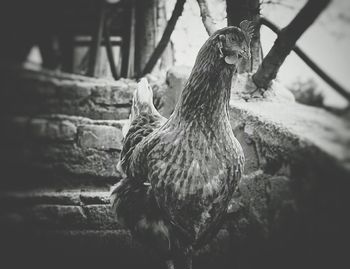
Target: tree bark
(165, 37)
(237, 11)
(331, 82)
(95, 49)
(168, 58)
(207, 19)
(146, 27)
(285, 42)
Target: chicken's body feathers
(180, 173)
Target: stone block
(99, 137)
(53, 129)
(100, 217)
(38, 128)
(75, 161)
(94, 197)
(50, 209)
(71, 90)
(67, 130)
(176, 79)
(42, 92)
(57, 216)
(249, 146)
(41, 143)
(43, 88)
(118, 93)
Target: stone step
(48, 209)
(26, 91)
(76, 249)
(78, 223)
(95, 249)
(64, 145)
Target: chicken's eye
(233, 41)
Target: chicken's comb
(248, 28)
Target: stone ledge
(291, 132)
(100, 137)
(70, 144)
(52, 210)
(79, 197)
(70, 218)
(28, 91)
(295, 187)
(95, 249)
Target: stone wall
(290, 209)
(31, 92)
(293, 203)
(64, 144)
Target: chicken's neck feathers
(207, 92)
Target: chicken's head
(234, 42)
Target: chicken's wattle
(231, 59)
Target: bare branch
(310, 63)
(285, 42)
(277, 3)
(237, 11)
(163, 42)
(207, 19)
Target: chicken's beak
(244, 54)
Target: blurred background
(71, 24)
(68, 70)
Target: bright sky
(327, 41)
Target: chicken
(180, 173)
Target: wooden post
(94, 53)
(67, 51)
(109, 50)
(50, 55)
(165, 37)
(128, 45)
(146, 27)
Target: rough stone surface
(99, 137)
(294, 189)
(55, 130)
(50, 209)
(76, 160)
(34, 92)
(176, 79)
(244, 88)
(69, 218)
(296, 132)
(53, 216)
(292, 201)
(76, 145)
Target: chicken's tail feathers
(143, 99)
(142, 102)
(116, 200)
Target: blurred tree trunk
(207, 18)
(237, 11)
(150, 24)
(167, 59)
(286, 41)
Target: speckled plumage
(180, 173)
